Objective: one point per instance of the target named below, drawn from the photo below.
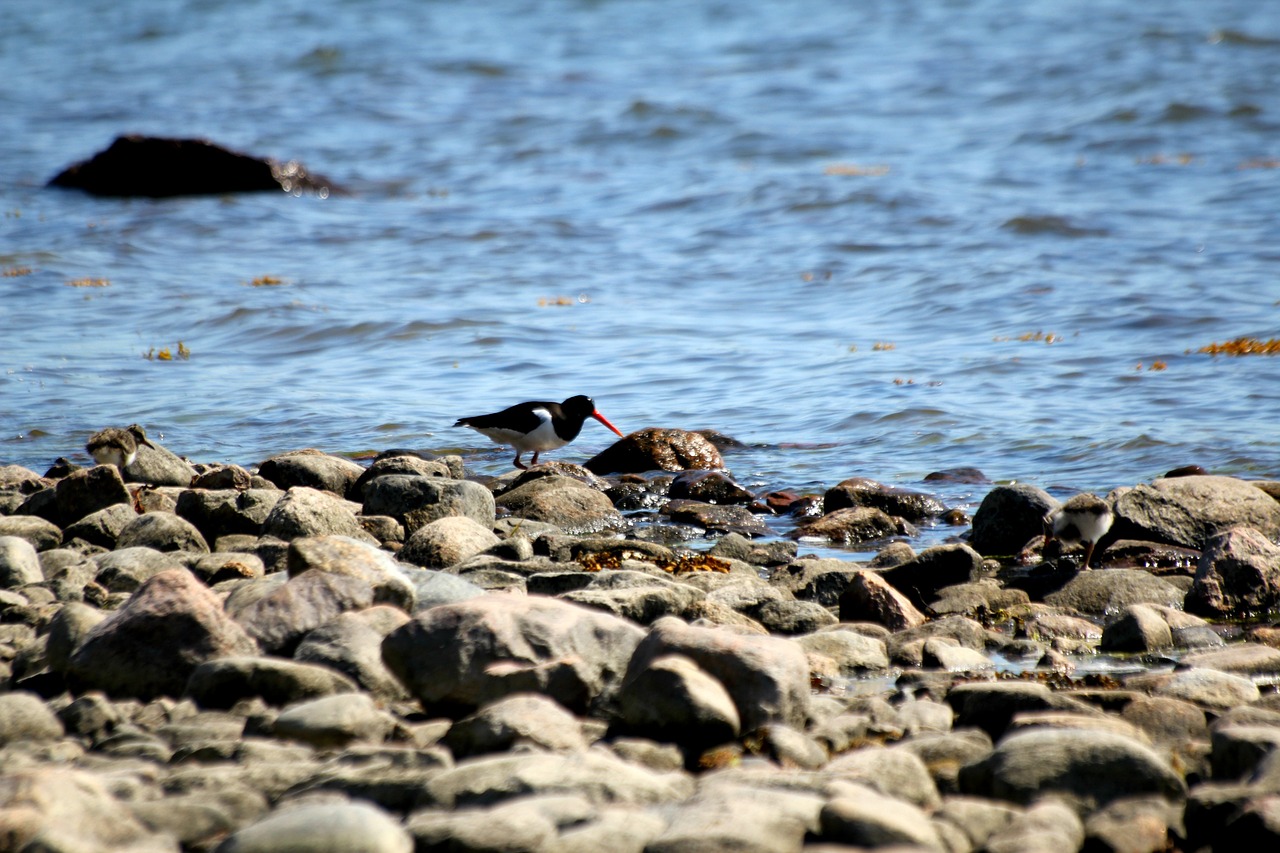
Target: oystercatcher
(537, 425)
(115, 446)
(1084, 518)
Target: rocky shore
(321, 655)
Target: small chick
(1084, 518)
(115, 446)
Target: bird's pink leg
(520, 464)
(535, 457)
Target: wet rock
(226, 512)
(1109, 590)
(597, 775)
(768, 677)
(906, 646)
(281, 618)
(1250, 659)
(446, 542)
(411, 465)
(304, 511)
(870, 598)
(62, 808)
(223, 682)
(1009, 517)
(992, 706)
(819, 580)
(672, 699)
(81, 493)
(861, 817)
(715, 518)
(849, 526)
(1188, 511)
(159, 167)
(460, 656)
(415, 499)
(638, 596)
(103, 527)
(903, 503)
(654, 449)
(335, 721)
(19, 563)
(152, 644)
(524, 719)
(40, 532)
(162, 531)
(932, 569)
(553, 468)
(339, 555)
(713, 487)
(1238, 574)
(737, 547)
(313, 469)
(321, 828)
(351, 644)
(1089, 767)
(1139, 628)
(565, 502)
(157, 466)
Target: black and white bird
(1084, 518)
(115, 446)
(537, 425)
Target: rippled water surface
(877, 239)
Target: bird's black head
(580, 406)
(139, 434)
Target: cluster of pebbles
(323, 656)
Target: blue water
(875, 239)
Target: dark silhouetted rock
(1009, 517)
(657, 449)
(904, 503)
(1238, 573)
(157, 167)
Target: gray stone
(852, 526)
(334, 721)
(1139, 628)
(125, 569)
(1210, 688)
(1009, 517)
(40, 532)
(329, 827)
(351, 643)
(638, 596)
(1089, 767)
(223, 682)
(226, 512)
(1107, 591)
(447, 541)
(67, 630)
(860, 816)
(1238, 574)
(1045, 827)
(463, 655)
(313, 469)
(19, 563)
(415, 500)
(404, 464)
(162, 531)
(305, 511)
(526, 719)
(25, 717)
(152, 644)
(869, 597)
(852, 652)
(341, 555)
(740, 818)
(991, 706)
(673, 699)
(433, 588)
(1188, 511)
(225, 565)
(565, 502)
(282, 617)
(103, 527)
(158, 466)
(895, 773)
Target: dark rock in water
(720, 440)
(1238, 573)
(152, 644)
(570, 504)
(655, 449)
(715, 518)
(1009, 517)
(860, 491)
(737, 547)
(709, 486)
(850, 526)
(1187, 471)
(158, 167)
(957, 475)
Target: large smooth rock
(282, 617)
(991, 706)
(324, 827)
(351, 643)
(863, 818)
(224, 512)
(223, 682)
(86, 491)
(1188, 511)
(152, 644)
(921, 577)
(656, 449)
(416, 499)
(1238, 574)
(446, 542)
(851, 651)
(565, 502)
(1090, 767)
(125, 569)
(158, 167)
(463, 655)
(870, 598)
(767, 677)
(158, 466)
(311, 468)
(40, 532)
(1107, 591)
(103, 527)
(342, 555)
(305, 511)
(334, 721)
(162, 531)
(673, 699)
(522, 719)
(893, 772)
(19, 563)
(1009, 517)
(851, 526)
(742, 819)
(24, 718)
(903, 503)
(638, 596)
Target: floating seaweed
(14, 272)
(89, 282)
(1243, 346)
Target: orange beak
(602, 419)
